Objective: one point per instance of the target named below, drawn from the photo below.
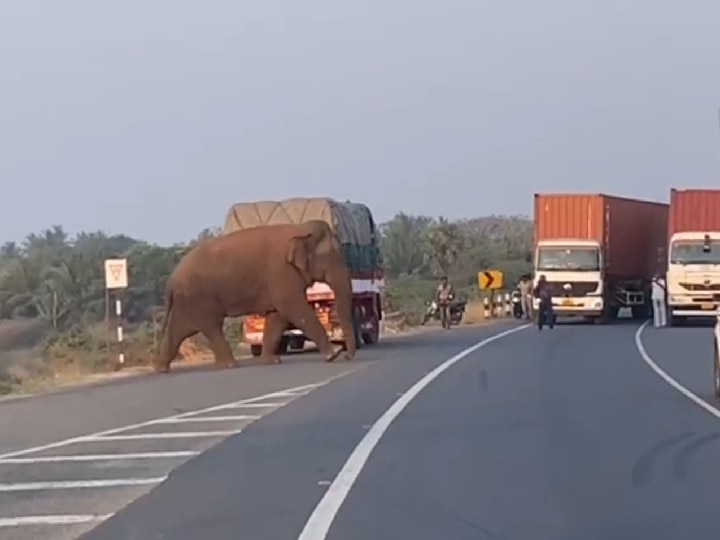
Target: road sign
(490, 279)
(116, 276)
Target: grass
(33, 358)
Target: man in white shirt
(658, 300)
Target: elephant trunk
(341, 284)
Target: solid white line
(77, 484)
(50, 520)
(237, 418)
(215, 408)
(179, 435)
(98, 457)
(318, 525)
(668, 379)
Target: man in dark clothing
(544, 294)
(444, 295)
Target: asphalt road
(70, 459)
(563, 434)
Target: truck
(598, 253)
(355, 229)
(693, 268)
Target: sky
(152, 118)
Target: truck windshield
(576, 258)
(691, 252)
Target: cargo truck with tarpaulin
(599, 252)
(693, 270)
(355, 229)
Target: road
(569, 433)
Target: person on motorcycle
(444, 295)
(544, 294)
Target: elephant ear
(298, 254)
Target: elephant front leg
(219, 345)
(275, 325)
(302, 315)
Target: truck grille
(701, 286)
(577, 288)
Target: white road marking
(99, 457)
(318, 525)
(259, 405)
(50, 520)
(170, 435)
(25, 456)
(668, 379)
(78, 484)
(215, 408)
(237, 418)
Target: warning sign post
(116, 275)
(116, 280)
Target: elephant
(264, 270)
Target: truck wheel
(373, 336)
(256, 350)
(296, 344)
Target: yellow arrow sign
(490, 280)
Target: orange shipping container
(632, 233)
(694, 210)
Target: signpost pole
(116, 280)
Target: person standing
(444, 295)
(658, 301)
(525, 288)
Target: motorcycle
(515, 299)
(545, 316)
(456, 312)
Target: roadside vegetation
(54, 328)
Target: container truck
(693, 269)
(598, 253)
(356, 231)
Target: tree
(402, 243)
(444, 245)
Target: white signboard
(116, 276)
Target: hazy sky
(152, 117)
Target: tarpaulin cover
(352, 223)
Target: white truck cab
(573, 268)
(693, 274)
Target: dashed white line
(80, 484)
(51, 520)
(99, 457)
(668, 379)
(318, 525)
(171, 435)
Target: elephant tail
(161, 358)
(168, 309)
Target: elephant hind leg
(177, 330)
(275, 325)
(213, 331)
(303, 316)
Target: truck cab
(693, 275)
(573, 269)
